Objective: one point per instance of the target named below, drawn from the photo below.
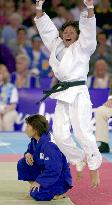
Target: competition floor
(13, 192)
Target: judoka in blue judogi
(43, 164)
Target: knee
(20, 164)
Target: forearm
(87, 37)
(45, 26)
(39, 10)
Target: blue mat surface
(16, 143)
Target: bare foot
(27, 196)
(95, 179)
(80, 167)
(79, 176)
(58, 197)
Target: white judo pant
(79, 115)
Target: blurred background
(24, 66)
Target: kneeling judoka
(43, 165)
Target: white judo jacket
(74, 65)
(73, 105)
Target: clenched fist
(29, 159)
(39, 4)
(89, 3)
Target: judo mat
(13, 192)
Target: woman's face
(29, 131)
(69, 35)
(21, 65)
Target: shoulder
(13, 90)
(51, 148)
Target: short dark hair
(74, 24)
(38, 123)
(103, 33)
(22, 28)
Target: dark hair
(74, 24)
(22, 28)
(103, 33)
(36, 37)
(61, 5)
(38, 123)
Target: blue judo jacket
(51, 163)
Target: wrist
(90, 7)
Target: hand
(88, 2)
(95, 180)
(108, 103)
(29, 159)
(34, 186)
(39, 4)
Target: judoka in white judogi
(73, 104)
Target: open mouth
(68, 39)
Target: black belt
(60, 87)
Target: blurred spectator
(103, 13)
(63, 15)
(26, 10)
(52, 6)
(77, 10)
(101, 78)
(23, 78)
(71, 4)
(109, 41)
(7, 58)
(38, 58)
(102, 115)
(103, 51)
(3, 18)
(10, 31)
(2, 7)
(54, 81)
(8, 101)
(32, 30)
(9, 7)
(21, 43)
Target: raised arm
(45, 26)
(87, 26)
